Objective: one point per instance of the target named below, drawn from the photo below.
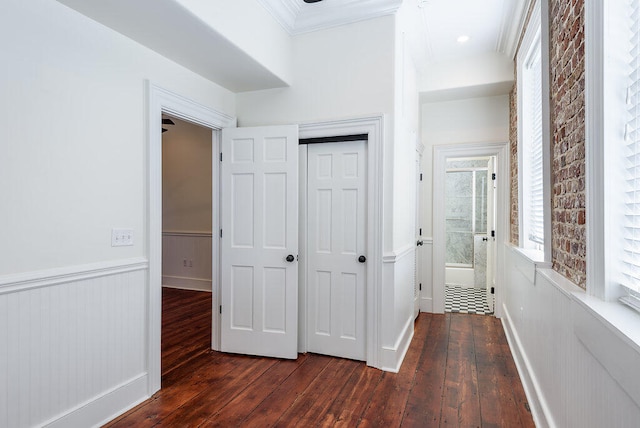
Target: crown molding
(297, 17)
(514, 15)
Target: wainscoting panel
(187, 260)
(68, 343)
(558, 344)
(398, 320)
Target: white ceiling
(491, 25)
(171, 30)
(174, 32)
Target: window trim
(537, 29)
(603, 123)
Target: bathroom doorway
(469, 235)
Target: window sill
(620, 319)
(535, 257)
(528, 262)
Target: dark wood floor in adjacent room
(458, 372)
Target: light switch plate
(121, 237)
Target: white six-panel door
(259, 244)
(336, 239)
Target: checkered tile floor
(466, 300)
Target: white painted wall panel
(472, 120)
(569, 384)
(70, 343)
(73, 122)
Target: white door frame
(373, 127)
(163, 101)
(440, 155)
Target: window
(630, 266)
(613, 149)
(530, 141)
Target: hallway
(458, 371)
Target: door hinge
(493, 290)
(420, 231)
(493, 176)
(221, 233)
(220, 156)
(221, 309)
(420, 176)
(493, 233)
(420, 287)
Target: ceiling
(173, 31)
(298, 17)
(491, 25)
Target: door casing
(160, 100)
(441, 154)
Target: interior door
(491, 226)
(259, 241)
(336, 245)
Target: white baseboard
(391, 357)
(194, 284)
(539, 409)
(100, 410)
(426, 304)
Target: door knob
(420, 243)
(290, 258)
(362, 259)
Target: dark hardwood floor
(458, 372)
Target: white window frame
(606, 69)
(534, 38)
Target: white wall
(471, 74)
(340, 72)
(72, 124)
(398, 322)
(578, 369)
(468, 120)
(72, 119)
(186, 178)
(186, 206)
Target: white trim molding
(49, 277)
(513, 19)
(104, 408)
(297, 18)
(162, 101)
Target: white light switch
(121, 237)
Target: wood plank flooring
(458, 372)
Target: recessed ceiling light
(463, 39)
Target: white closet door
(259, 245)
(336, 240)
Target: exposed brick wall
(566, 64)
(513, 150)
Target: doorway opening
(497, 235)
(469, 222)
(187, 269)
